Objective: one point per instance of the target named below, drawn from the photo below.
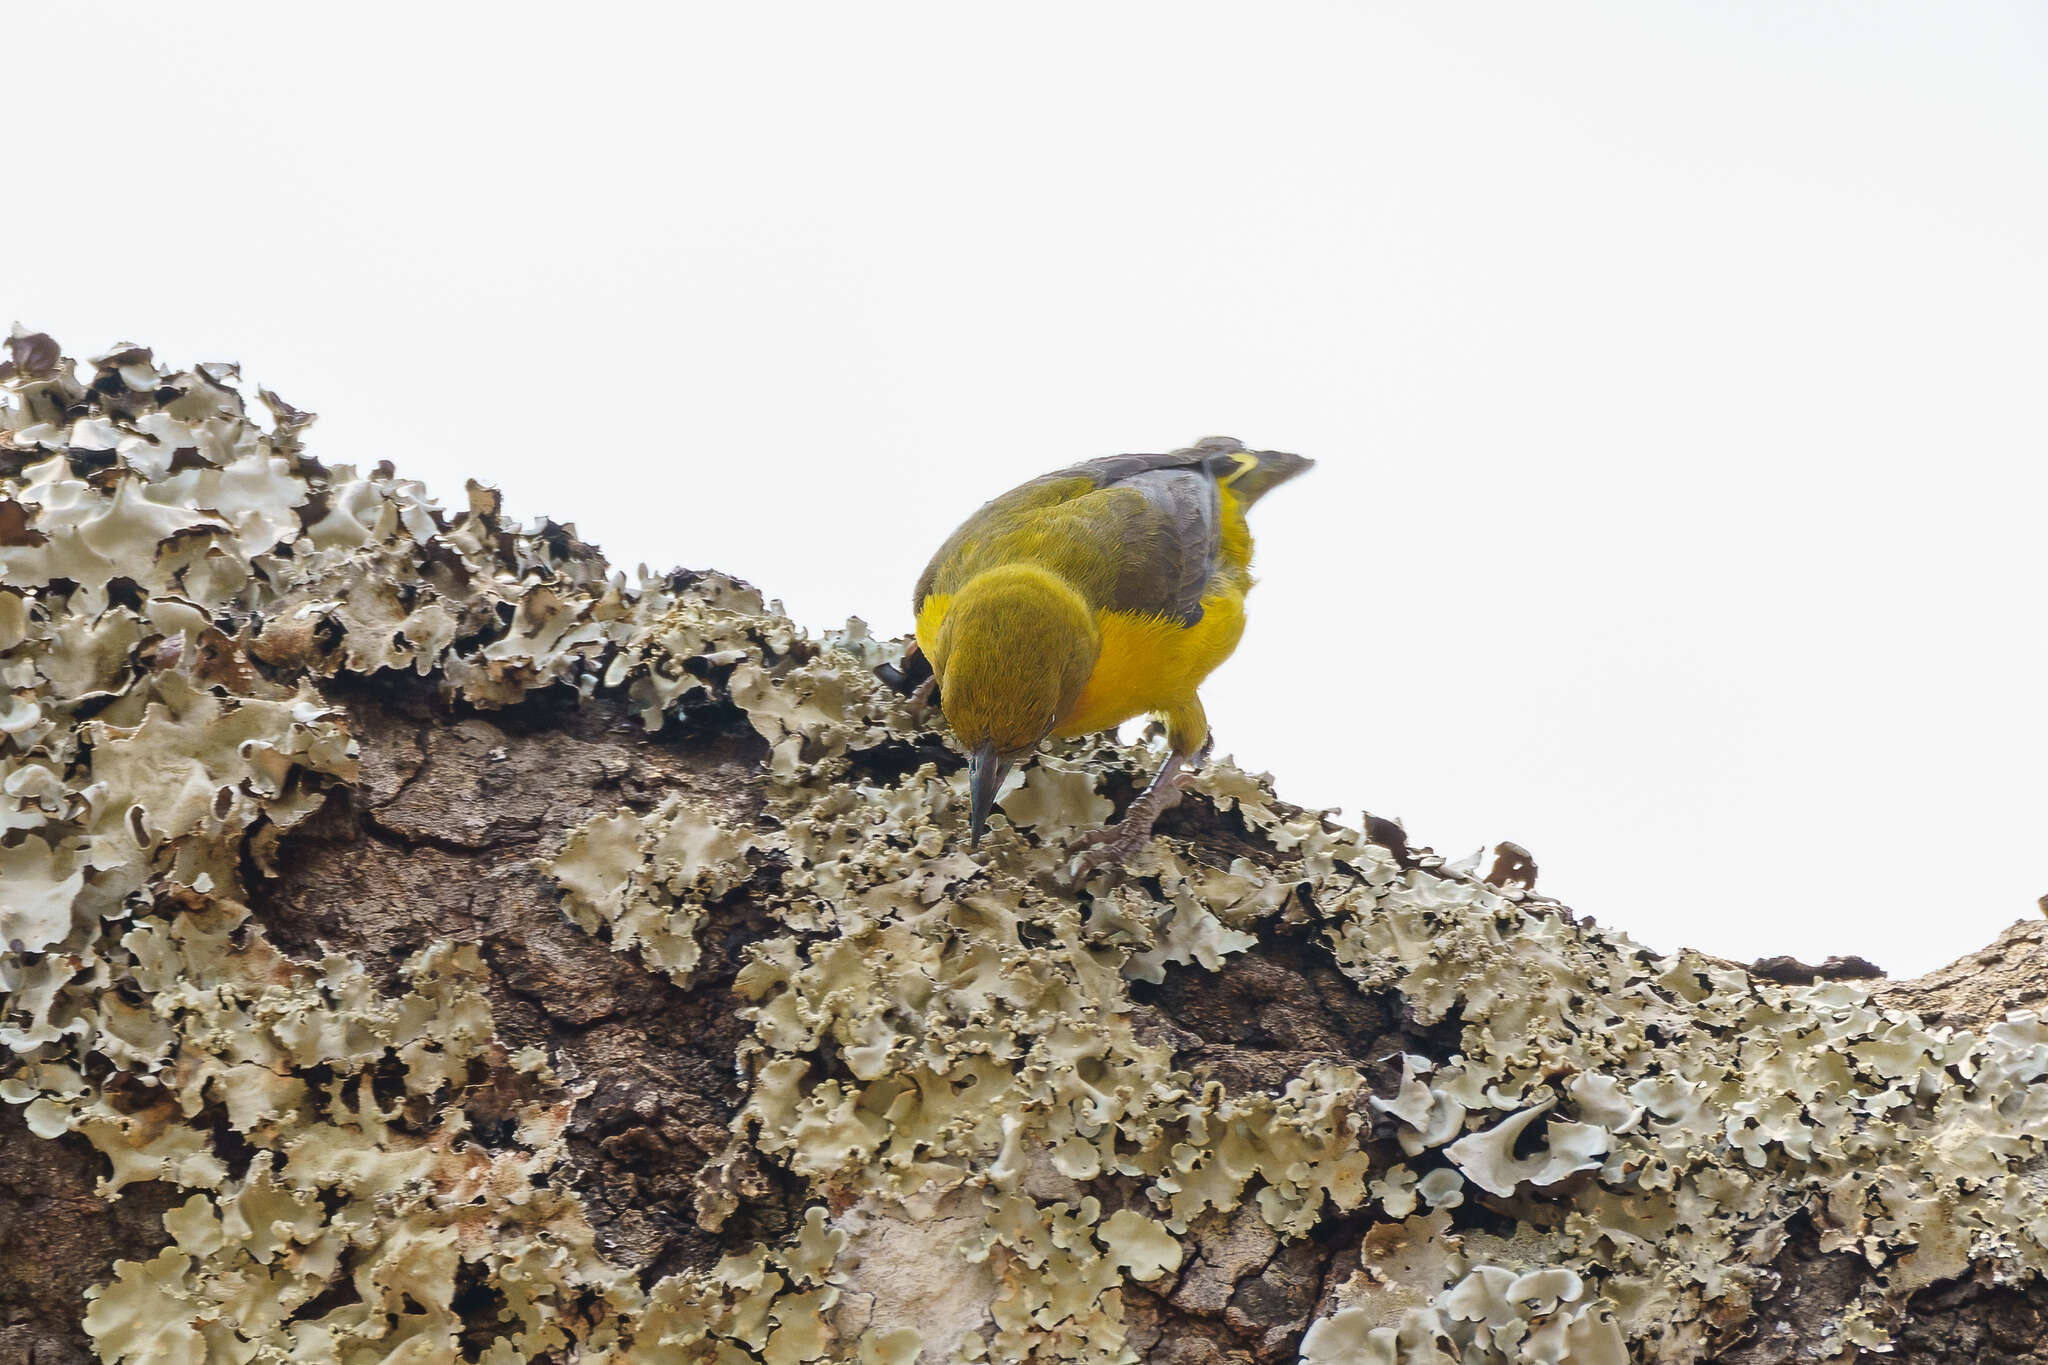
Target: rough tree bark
(424, 945)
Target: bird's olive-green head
(1012, 655)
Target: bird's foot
(1122, 841)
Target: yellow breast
(1151, 665)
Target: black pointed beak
(985, 773)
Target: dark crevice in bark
(1967, 1320)
(58, 1238)
(1254, 1025)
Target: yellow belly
(1151, 665)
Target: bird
(1089, 596)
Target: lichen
(942, 1043)
(644, 880)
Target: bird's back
(1147, 535)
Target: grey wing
(1175, 537)
(1115, 469)
(1172, 545)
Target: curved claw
(1121, 842)
(1112, 847)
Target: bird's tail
(1250, 474)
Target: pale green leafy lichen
(943, 1044)
(646, 879)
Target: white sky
(1676, 371)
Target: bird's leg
(1120, 841)
(913, 677)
